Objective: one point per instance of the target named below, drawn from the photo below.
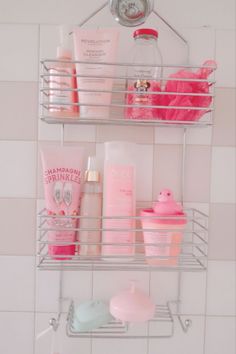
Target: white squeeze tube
(119, 200)
(100, 46)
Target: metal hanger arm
(93, 14)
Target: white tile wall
(221, 288)
(19, 52)
(17, 283)
(16, 332)
(225, 57)
(223, 175)
(18, 166)
(209, 27)
(183, 343)
(220, 335)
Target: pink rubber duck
(166, 205)
(181, 86)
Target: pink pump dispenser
(169, 231)
(132, 305)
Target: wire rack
(191, 254)
(161, 326)
(118, 105)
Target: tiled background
(28, 32)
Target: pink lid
(132, 305)
(145, 31)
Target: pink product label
(60, 96)
(120, 189)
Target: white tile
(80, 133)
(220, 335)
(225, 57)
(75, 285)
(143, 172)
(221, 288)
(192, 301)
(17, 283)
(63, 344)
(19, 48)
(47, 301)
(202, 13)
(18, 161)
(223, 175)
(194, 136)
(164, 286)
(49, 132)
(137, 346)
(184, 343)
(104, 288)
(16, 332)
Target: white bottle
(119, 199)
(91, 206)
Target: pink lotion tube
(62, 172)
(95, 46)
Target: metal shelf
(192, 257)
(161, 326)
(118, 104)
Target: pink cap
(64, 53)
(145, 31)
(132, 305)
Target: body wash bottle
(91, 206)
(63, 96)
(119, 199)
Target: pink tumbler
(163, 241)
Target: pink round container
(132, 305)
(165, 244)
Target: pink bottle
(147, 78)
(167, 232)
(63, 88)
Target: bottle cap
(63, 50)
(145, 31)
(92, 174)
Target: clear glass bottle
(91, 206)
(148, 74)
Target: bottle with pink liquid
(144, 79)
(63, 96)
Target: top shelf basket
(182, 106)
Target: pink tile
(17, 225)
(197, 183)
(225, 117)
(222, 245)
(19, 110)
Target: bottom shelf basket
(161, 326)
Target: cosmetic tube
(95, 46)
(62, 174)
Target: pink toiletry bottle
(166, 221)
(63, 95)
(144, 78)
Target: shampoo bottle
(63, 96)
(119, 199)
(91, 206)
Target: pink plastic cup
(166, 237)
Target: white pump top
(63, 50)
